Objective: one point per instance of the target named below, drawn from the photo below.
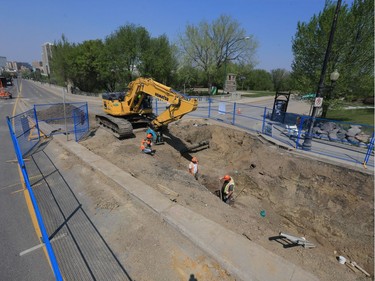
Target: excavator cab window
(114, 96)
(121, 97)
(147, 102)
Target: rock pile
(335, 132)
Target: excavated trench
(331, 206)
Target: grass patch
(358, 116)
(257, 94)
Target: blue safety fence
(81, 122)
(61, 117)
(242, 115)
(26, 131)
(342, 140)
(23, 124)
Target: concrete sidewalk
(242, 258)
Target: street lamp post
(226, 57)
(333, 77)
(306, 145)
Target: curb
(244, 258)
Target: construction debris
(170, 193)
(297, 240)
(196, 147)
(352, 268)
(353, 263)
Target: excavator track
(119, 127)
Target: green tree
(86, 66)
(352, 52)
(280, 79)
(125, 48)
(260, 80)
(211, 46)
(61, 61)
(159, 60)
(357, 61)
(244, 74)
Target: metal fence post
(369, 151)
(209, 107)
(234, 113)
(299, 128)
(264, 119)
(36, 122)
(87, 116)
(75, 125)
(51, 255)
(156, 107)
(66, 127)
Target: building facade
(46, 57)
(3, 62)
(37, 65)
(12, 66)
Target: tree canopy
(206, 52)
(211, 46)
(109, 65)
(352, 51)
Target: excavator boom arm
(135, 107)
(178, 104)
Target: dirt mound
(54, 114)
(331, 206)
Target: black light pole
(308, 138)
(333, 77)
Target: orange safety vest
(145, 143)
(226, 187)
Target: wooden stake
(361, 269)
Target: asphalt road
(17, 230)
(21, 257)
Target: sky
(27, 25)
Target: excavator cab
(123, 111)
(121, 104)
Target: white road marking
(42, 244)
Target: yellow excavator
(134, 108)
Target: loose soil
(146, 246)
(331, 206)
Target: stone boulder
(352, 140)
(328, 126)
(332, 135)
(318, 131)
(362, 138)
(353, 131)
(341, 134)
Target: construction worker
(193, 167)
(146, 145)
(227, 189)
